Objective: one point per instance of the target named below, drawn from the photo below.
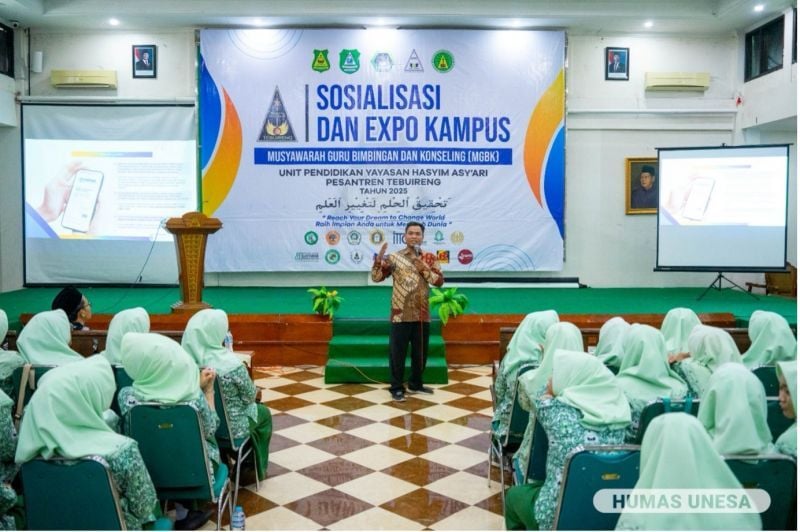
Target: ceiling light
(648, 24)
(113, 22)
(758, 8)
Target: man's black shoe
(421, 389)
(398, 395)
(193, 520)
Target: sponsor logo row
(376, 237)
(350, 61)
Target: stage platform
(276, 323)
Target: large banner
(320, 145)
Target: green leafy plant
(449, 302)
(325, 302)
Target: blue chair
(173, 447)
(661, 406)
(769, 378)
(63, 494)
(588, 470)
(775, 474)
(240, 447)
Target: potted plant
(325, 302)
(449, 302)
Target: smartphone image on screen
(82, 200)
(698, 198)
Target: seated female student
(45, 340)
(8, 469)
(9, 360)
(709, 348)
(677, 453)
(561, 335)
(583, 405)
(644, 375)
(130, 320)
(609, 342)
(734, 411)
(676, 328)
(771, 340)
(525, 347)
(75, 305)
(65, 419)
(203, 339)
(787, 379)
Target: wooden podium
(191, 232)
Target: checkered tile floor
(346, 457)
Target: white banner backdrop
(320, 145)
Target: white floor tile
(377, 488)
(290, 487)
(298, 457)
(455, 456)
(472, 518)
(464, 487)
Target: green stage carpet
(373, 302)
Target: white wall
(606, 122)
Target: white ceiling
(691, 17)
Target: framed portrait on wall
(641, 185)
(617, 64)
(143, 59)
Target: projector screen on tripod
(722, 208)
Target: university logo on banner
(443, 61)
(414, 64)
(349, 60)
(276, 125)
(320, 62)
(382, 62)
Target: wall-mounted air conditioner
(82, 79)
(677, 81)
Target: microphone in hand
(417, 250)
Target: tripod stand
(717, 284)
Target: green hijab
(644, 373)
(65, 415)
(676, 327)
(161, 370)
(677, 453)
(203, 338)
(45, 340)
(787, 442)
(9, 360)
(582, 381)
(561, 335)
(771, 340)
(609, 343)
(733, 410)
(130, 320)
(712, 347)
(5, 400)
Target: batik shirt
(240, 395)
(565, 434)
(137, 494)
(8, 469)
(409, 287)
(695, 375)
(208, 418)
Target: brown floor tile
(336, 471)
(493, 504)
(345, 422)
(415, 444)
(413, 422)
(479, 442)
(300, 376)
(350, 389)
(423, 506)
(282, 421)
(459, 375)
(275, 470)
(340, 444)
(474, 421)
(328, 507)
(295, 389)
(470, 403)
(412, 403)
(348, 404)
(463, 388)
(419, 471)
(288, 403)
(251, 503)
(278, 442)
(481, 468)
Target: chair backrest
(173, 448)
(24, 381)
(537, 462)
(223, 434)
(70, 495)
(777, 422)
(769, 378)
(122, 380)
(661, 406)
(775, 474)
(586, 471)
(519, 416)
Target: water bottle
(228, 342)
(237, 521)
